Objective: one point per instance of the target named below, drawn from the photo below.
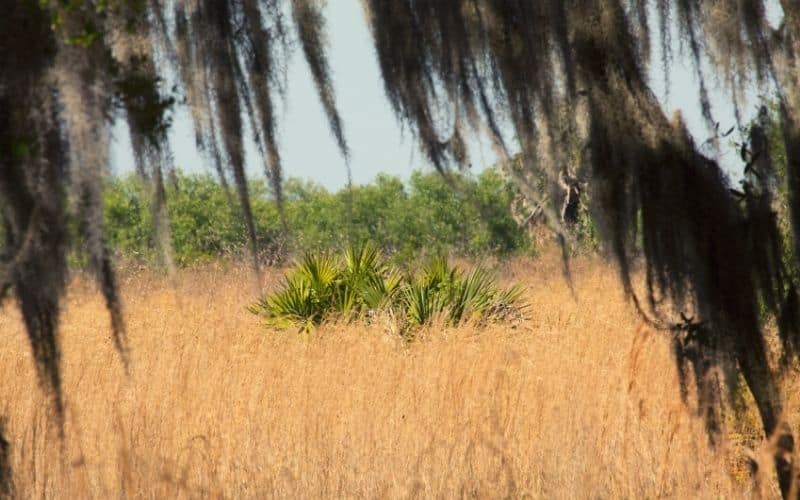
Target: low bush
(358, 283)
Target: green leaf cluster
(358, 283)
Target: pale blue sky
(376, 139)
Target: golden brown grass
(580, 400)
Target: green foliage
(205, 221)
(320, 285)
(310, 292)
(128, 218)
(358, 283)
(426, 217)
(441, 289)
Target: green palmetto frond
(363, 271)
(507, 300)
(381, 291)
(438, 273)
(322, 285)
(320, 271)
(444, 289)
(363, 259)
(472, 296)
(422, 303)
(294, 305)
(345, 301)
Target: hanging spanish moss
(531, 75)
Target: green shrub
(358, 282)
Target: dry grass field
(580, 400)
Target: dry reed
(580, 400)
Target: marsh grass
(580, 400)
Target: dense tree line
(467, 215)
